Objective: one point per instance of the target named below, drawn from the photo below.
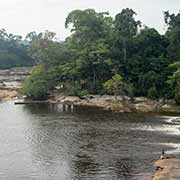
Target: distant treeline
(107, 55)
(13, 51)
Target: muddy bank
(167, 169)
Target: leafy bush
(36, 86)
(174, 81)
(115, 85)
(152, 93)
(74, 89)
(177, 94)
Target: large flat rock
(168, 169)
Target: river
(49, 142)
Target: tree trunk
(124, 50)
(125, 57)
(94, 78)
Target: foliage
(75, 89)
(13, 51)
(89, 42)
(45, 50)
(174, 81)
(152, 93)
(105, 54)
(125, 30)
(173, 35)
(37, 85)
(115, 85)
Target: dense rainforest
(119, 56)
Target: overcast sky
(23, 16)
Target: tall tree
(115, 85)
(13, 51)
(125, 28)
(174, 81)
(44, 49)
(89, 40)
(173, 34)
(148, 66)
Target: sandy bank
(167, 169)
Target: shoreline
(105, 102)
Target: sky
(23, 16)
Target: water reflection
(70, 143)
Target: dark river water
(53, 143)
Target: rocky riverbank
(167, 169)
(10, 82)
(106, 102)
(8, 94)
(139, 104)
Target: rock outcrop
(167, 169)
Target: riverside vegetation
(103, 55)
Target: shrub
(36, 86)
(74, 89)
(115, 85)
(152, 93)
(177, 94)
